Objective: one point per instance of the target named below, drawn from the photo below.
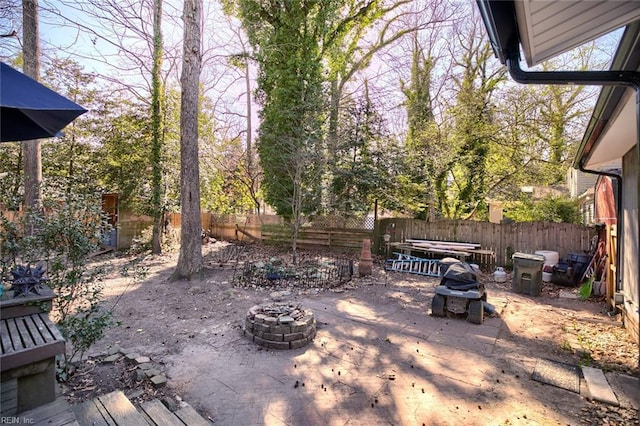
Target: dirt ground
(160, 317)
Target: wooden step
(114, 409)
(157, 414)
(120, 409)
(190, 417)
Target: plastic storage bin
(527, 273)
(551, 259)
(579, 262)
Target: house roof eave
(611, 99)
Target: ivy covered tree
(157, 129)
(462, 185)
(540, 127)
(286, 37)
(424, 147)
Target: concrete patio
(374, 363)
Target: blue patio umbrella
(29, 110)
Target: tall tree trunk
(247, 81)
(190, 259)
(32, 149)
(328, 198)
(157, 97)
(250, 166)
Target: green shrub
(62, 239)
(548, 209)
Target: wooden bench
(30, 342)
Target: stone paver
(598, 386)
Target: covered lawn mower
(459, 292)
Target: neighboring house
(587, 206)
(606, 199)
(125, 224)
(582, 187)
(544, 29)
(579, 182)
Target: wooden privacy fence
(333, 238)
(272, 229)
(504, 239)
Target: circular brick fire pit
(280, 325)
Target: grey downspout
(592, 78)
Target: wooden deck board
(56, 413)
(88, 414)
(104, 413)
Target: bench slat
(7, 346)
(35, 332)
(14, 335)
(55, 332)
(25, 335)
(49, 332)
(42, 328)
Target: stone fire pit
(280, 325)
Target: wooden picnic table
(409, 248)
(461, 251)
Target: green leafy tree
(540, 127)
(125, 147)
(359, 33)
(224, 187)
(62, 241)
(73, 157)
(360, 171)
(12, 182)
(562, 113)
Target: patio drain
(280, 325)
